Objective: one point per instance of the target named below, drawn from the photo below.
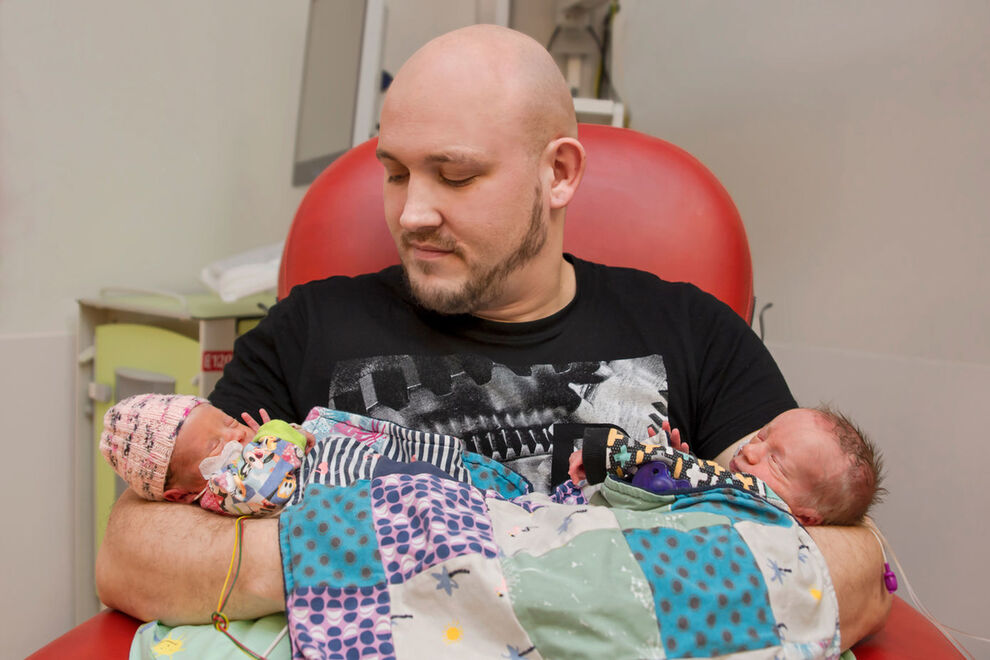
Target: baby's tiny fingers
(250, 421)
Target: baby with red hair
(814, 459)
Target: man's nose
(419, 210)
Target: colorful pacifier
(655, 477)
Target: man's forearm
(856, 566)
(168, 562)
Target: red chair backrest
(644, 203)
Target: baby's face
(794, 453)
(203, 434)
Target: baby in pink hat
(180, 448)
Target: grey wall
(139, 141)
(854, 139)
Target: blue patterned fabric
(457, 570)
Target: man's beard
(481, 287)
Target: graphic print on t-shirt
(502, 411)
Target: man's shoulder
(386, 281)
(632, 282)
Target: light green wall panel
(139, 347)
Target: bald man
(478, 174)
(487, 331)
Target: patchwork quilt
(403, 546)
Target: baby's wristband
(282, 430)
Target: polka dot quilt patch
(418, 566)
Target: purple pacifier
(655, 477)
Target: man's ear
(567, 159)
(178, 495)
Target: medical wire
(870, 525)
(220, 620)
(278, 638)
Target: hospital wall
(140, 141)
(854, 139)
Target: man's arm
(855, 564)
(255, 377)
(735, 387)
(167, 561)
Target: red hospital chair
(643, 203)
(665, 194)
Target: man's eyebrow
(441, 157)
(452, 157)
(381, 154)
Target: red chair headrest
(644, 203)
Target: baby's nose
(751, 451)
(240, 433)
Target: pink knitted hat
(139, 435)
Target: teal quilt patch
(707, 589)
(330, 539)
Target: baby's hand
(253, 424)
(674, 438)
(310, 438)
(575, 468)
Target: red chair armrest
(106, 635)
(906, 634)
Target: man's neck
(556, 289)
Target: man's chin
(436, 297)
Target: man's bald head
(487, 70)
(478, 140)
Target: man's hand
(167, 561)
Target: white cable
(277, 640)
(902, 577)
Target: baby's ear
(178, 495)
(807, 516)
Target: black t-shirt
(630, 350)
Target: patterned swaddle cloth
(389, 558)
(260, 479)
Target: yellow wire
(233, 556)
